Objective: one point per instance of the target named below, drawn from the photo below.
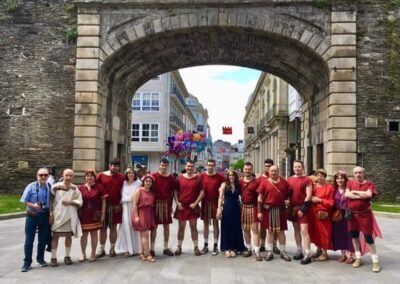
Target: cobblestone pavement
(191, 269)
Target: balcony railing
(174, 119)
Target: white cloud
(224, 99)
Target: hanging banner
(227, 130)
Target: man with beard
(164, 186)
(210, 182)
(112, 182)
(249, 195)
(187, 197)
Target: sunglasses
(43, 175)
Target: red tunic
(361, 208)
(163, 188)
(321, 230)
(188, 192)
(113, 185)
(210, 184)
(298, 185)
(249, 196)
(274, 196)
(90, 212)
(145, 205)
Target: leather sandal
(142, 256)
(82, 258)
(149, 258)
(322, 257)
(178, 251)
(342, 258)
(233, 254)
(228, 254)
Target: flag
(227, 130)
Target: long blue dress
(231, 228)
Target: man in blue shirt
(36, 198)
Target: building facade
(201, 116)
(269, 130)
(158, 111)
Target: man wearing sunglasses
(36, 198)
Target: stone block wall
(37, 69)
(378, 150)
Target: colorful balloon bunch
(183, 144)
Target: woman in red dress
(92, 212)
(143, 215)
(322, 201)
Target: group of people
(253, 213)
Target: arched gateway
(122, 44)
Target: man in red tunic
(248, 191)
(112, 182)
(263, 232)
(359, 192)
(210, 182)
(300, 201)
(274, 199)
(187, 197)
(164, 186)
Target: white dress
(129, 239)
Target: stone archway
(121, 45)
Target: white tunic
(66, 216)
(129, 239)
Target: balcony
(177, 122)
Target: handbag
(323, 215)
(337, 215)
(348, 215)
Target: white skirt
(129, 239)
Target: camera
(42, 206)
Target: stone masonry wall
(36, 90)
(378, 150)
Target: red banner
(227, 130)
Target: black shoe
(262, 248)
(247, 253)
(48, 249)
(152, 253)
(276, 250)
(299, 255)
(25, 268)
(215, 251)
(42, 263)
(306, 260)
(204, 250)
(269, 256)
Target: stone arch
(136, 50)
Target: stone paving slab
(190, 269)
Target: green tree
(238, 165)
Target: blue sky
(241, 75)
(223, 91)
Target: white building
(158, 111)
(201, 116)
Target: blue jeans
(41, 223)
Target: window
(136, 132)
(145, 132)
(393, 125)
(146, 102)
(136, 102)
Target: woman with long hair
(92, 212)
(229, 213)
(128, 238)
(143, 215)
(341, 239)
